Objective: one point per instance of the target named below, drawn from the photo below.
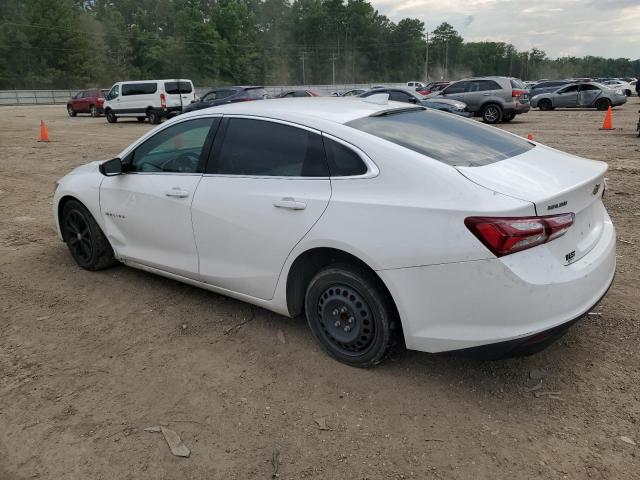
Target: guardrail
(53, 97)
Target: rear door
(478, 92)
(265, 187)
(588, 94)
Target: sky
(607, 28)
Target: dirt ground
(88, 360)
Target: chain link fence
(53, 97)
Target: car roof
(307, 110)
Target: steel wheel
(78, 235)
(345, 320)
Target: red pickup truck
(87, 101)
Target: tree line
(81, 43)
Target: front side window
(443, 137)
(209, 97)
(115, 91)
(257, 93)
(175, 149)
(262, 148)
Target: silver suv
(495, 99)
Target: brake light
(163, 101)
(518, 93)
(506, 235)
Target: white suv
(152, 99)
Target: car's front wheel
(350, 315)
(111, 117)
(492, 113)
(86, 242)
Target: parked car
(415, 84)
(407, 96)
(352, 93)
(495, 99)
(222, 95)
(152, 99)
(580, 95)
(373, 220)
(432, 87)
(545, 87)
(298, 93)
(86, 101)
(626, 87)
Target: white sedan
(382, 222)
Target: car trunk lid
(555, 183)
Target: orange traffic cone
(44, 134)
(529, 136)
(608, 120)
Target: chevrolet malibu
(382, 222)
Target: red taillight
(506, 235)
(518, 93)
(163, 101)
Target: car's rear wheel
(507, 117)
(111, 117)
(603, 104)
(93, 110)
(154, 117)
(545, 104)
(71, 111)
(86, 242)
(141, 119)
(350, 315)
(491, 113)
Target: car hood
(445, 101)
(87, 167)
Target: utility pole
(446, 59)
(426, 61)
(303, 57)
(334, 57)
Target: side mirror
(111, 167)
(413, 100)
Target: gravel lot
(88, 360)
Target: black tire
(507, 117)
(141, 119)
(627, 93)
(154, 117)
(86, 242)
(93, 111)
(350, 315)
(491, 113)
(71, 111)
(111, 117)
(545, 105)
(603, 104)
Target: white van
(152, 99)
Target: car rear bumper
(462, 305)
(523, 108)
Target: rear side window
(343, 162)
(262, 148)
(444, 137)
(482, 85)
(174, 88)
(139, 88)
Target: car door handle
(486, 94)
(290, 203)
(176, 192)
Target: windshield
(257, 93)
(444, 137)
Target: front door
(566, 97)
(147, 209)
(265, 187)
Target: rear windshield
(517, 83)
(257, 93)
(444, 137)
(174, 88)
